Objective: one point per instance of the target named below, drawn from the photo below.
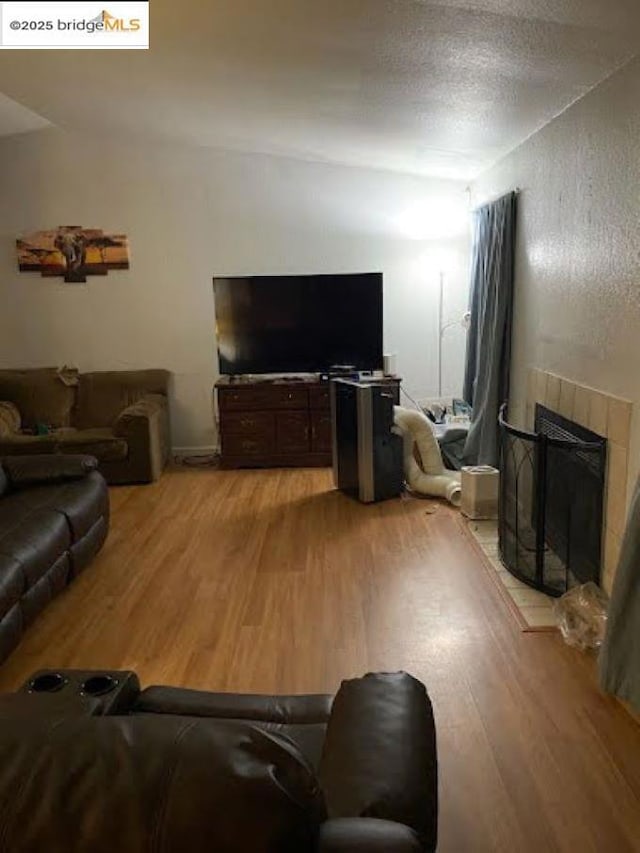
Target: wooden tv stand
(275, 423)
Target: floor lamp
(464, 321)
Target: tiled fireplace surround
(608, 416)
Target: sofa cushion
(11, 583)
(162, 783)
(36, 539)
(42, 396)
(100, 442)
(25, 471)
(26, 445)
(103, 396)
(79, 502)
(84, 550)
(308, 737)
(44, 590)
(10, 421)
(303, 719)
(11, 628)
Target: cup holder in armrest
(48, 682)
(99, 685)
(98, 692)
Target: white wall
(194, 213)
(577, 287)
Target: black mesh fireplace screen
(551, 502)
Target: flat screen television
(298, 324)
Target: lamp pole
(440, 331)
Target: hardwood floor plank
(271, 581)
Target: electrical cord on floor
(210, 460)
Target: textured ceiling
(441, 88)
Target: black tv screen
(298, 324)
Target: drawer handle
(247, 422)
(249, 445)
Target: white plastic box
(480, 485)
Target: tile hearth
(535, 608)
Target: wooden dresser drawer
(319, 397)
(289, 397)
(241, 399)
(266, 424)
(248, 445)
(321, 432)
(292, 432)
(248, 423)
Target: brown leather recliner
(54, 518)
(121, 417)
(181, 771)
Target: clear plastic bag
(582, 616)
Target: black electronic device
(299, 324)
(367, 453)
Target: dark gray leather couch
(54, 518)
(182, 771)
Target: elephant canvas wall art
(73, 252)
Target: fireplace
(552, 485)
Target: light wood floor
(271, 581)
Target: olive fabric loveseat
(120, 417)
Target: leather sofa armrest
(367, 835)
(137, 416)
(10, 419)
(23, 471)
(379, 756)
(234, 706)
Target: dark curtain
(620, 654)
(486, 381)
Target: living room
(337, 140)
